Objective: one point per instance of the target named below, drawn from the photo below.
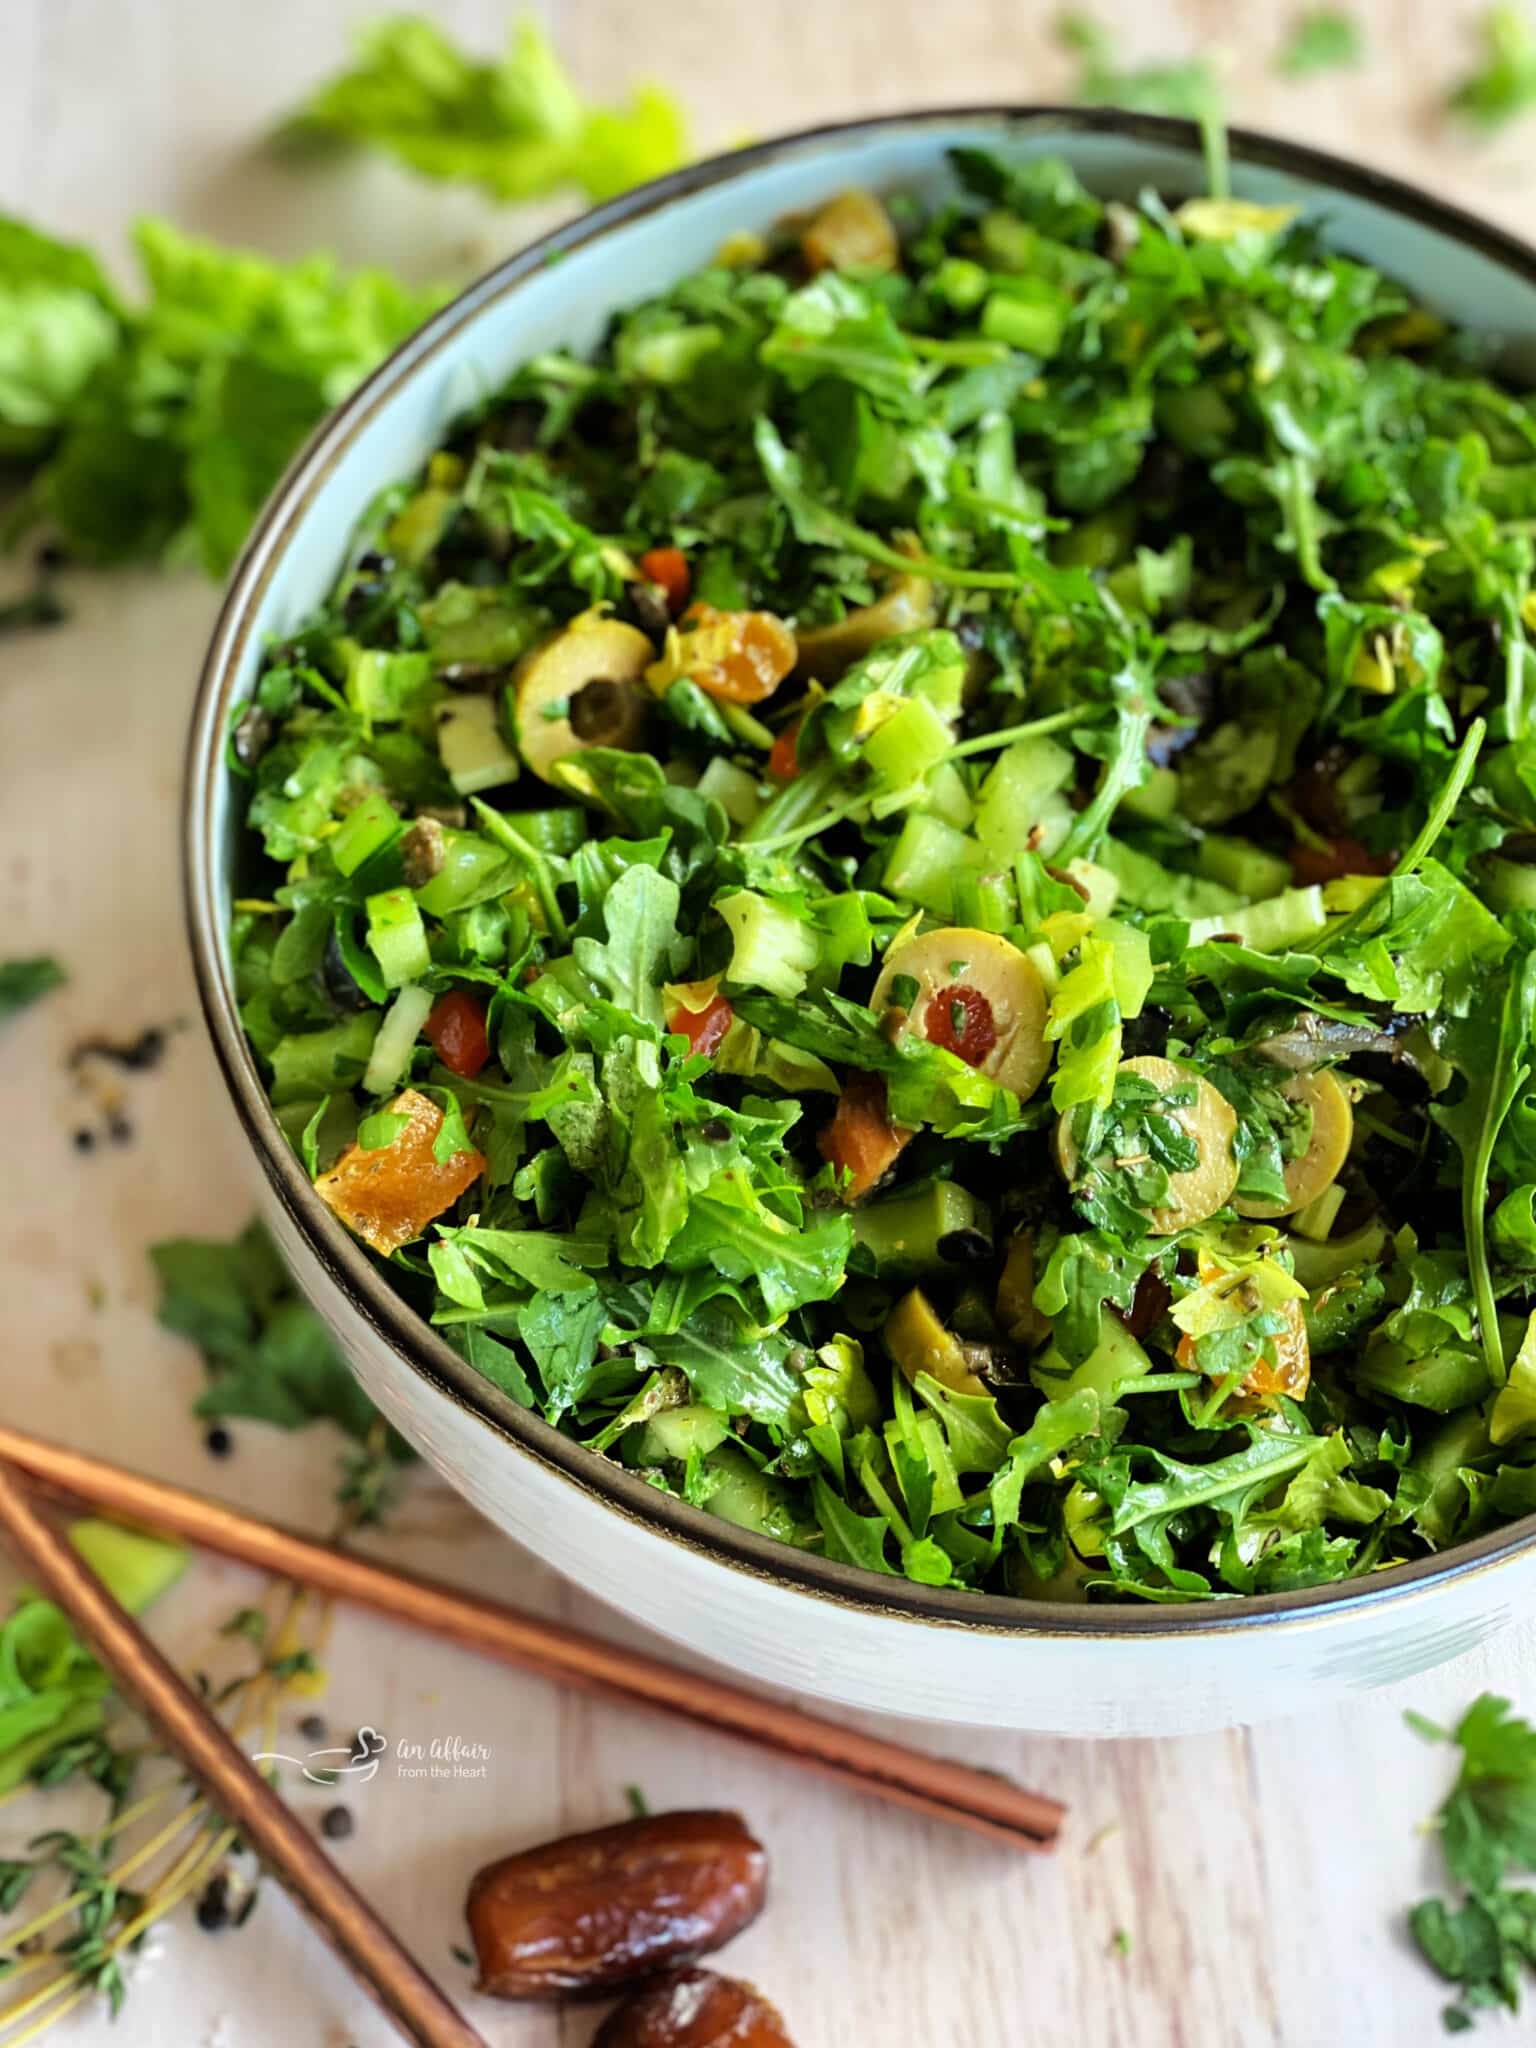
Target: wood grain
(1259, 1876)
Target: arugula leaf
(27, 981)
(516, 126)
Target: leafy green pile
(1486, 1941)
(163, 426)
(1159, 583)
(516, 127)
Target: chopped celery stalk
(492, 635)
(1239, 864)
(1117, 1356)
(384, 687)
(901, 750)
(1319, 1216)
(1154, 888)
(397, 938)
(472, 872)
(741, 1494)
(1023, 791)
(1319, 1265)
(923, 863)
(671, 1435)
(925, 1230)
(947, 796)
(364, 831)
(1156, 799)
(772, 949)
(470, 742)
(392, 1049)
(1028, 313)
(135, 1568)
(1045, 965)
(1441, 1380)
(558, 831)
(316, 1063)
(732, 788)
(1269, 927)
(987, 903)
(1101, 883)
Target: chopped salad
(907, 902)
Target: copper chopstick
(235, 1788)
(988, 1804)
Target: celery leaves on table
(1483, 1940)
(515, 126)
(27, 981)
(1320, 39)
(905, 900)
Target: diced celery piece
(316, 1063)
(914, 739)
(1027, 313)
(947, 796)
(364, 831)
(134, 1567)
(1318, 1265)
(1154, 800)
(1100, 541)
(470, 742)
(1022, 791)
(905, 1234)
(1156, 889)
(1441, 1380)
(397, 938)
(383, 687)
(1101, 883)
(417, 528)
(1509, 884)
(1116, 1356)
(987, 902)
(740, 1493)
(925, 859)
(670, 357)
(772, 949)
(558, 831)
(732, 788)
(492, 635)
(1240, 865)
(1270, 927)
(671, 1435)
(398, 1033)
(472, 870)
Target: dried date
(694, 2009)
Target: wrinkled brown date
(600, 1910)
(694, 2009)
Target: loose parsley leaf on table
(1503, 85)
(1320, 39)
(1484, 1940)
(27, 981)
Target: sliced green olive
(1333, 1126)
(1210, 1120)
(907, 607)
(580, 689)
(953, 965)
(919, 1342)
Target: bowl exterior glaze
(752, 1605)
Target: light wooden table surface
(1260, 1875)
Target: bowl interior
(561, 293)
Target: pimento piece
(705, 1028)
(784, 755)
(861, 1140)
(388, 1197)
(738, 657)
(456, 1026)
(668, 569)
(959, 1018)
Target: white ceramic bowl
(765, 1610)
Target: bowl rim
(347, 1267)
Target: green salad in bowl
(907, 900)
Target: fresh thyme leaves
(23, 982)
(1484, 1940)
(904, 901)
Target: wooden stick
(235, 1788)
(979, 1800)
